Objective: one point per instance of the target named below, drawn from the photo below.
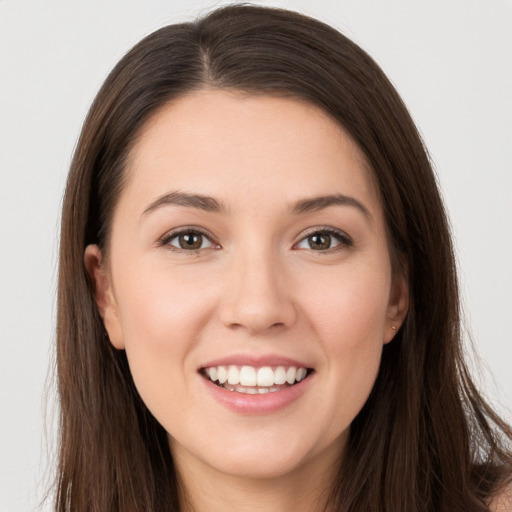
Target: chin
(265, 454)
(260, 466)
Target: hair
(425, 440)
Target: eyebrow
(177, 198)
(210, 204)
(315, 204)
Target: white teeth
(291, 374)
(222, 374)
(251, 380)
(248, 376)
(265, 376)
(213, 373)
(233, 375)
(279, 375)
(301, 373)
(251, 391)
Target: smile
(255, 380)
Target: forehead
(241, 147)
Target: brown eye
(325, 241)
(319, 241)
(189, 241)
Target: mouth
(254, 380)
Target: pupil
(191, 241)
(320, 241)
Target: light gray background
(450, 60)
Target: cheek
(157, 308)
(348, 315)
(350, 307)
(160, 315)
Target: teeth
(213, 373)
(251, 391)
(265, 376)
(222, 374)
(279, 375)
(247, 379)
(291, 374)
(248, 376)
(301, 373)
(233, 375)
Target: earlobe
(103, 294)
(397, 308)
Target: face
(249, 281)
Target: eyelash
(344, 241)
(168, 237)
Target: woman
(258, 302)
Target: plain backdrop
(450, 60)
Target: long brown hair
(425, 440)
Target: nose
(257, 295)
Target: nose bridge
(256, 295)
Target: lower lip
(267, 403)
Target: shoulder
(502, 502)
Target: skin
(256, 287)
(503, 501)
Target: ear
(397, 307)
(103, 294)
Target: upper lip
(256, 361)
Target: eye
(188, 240)
(324, 240)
